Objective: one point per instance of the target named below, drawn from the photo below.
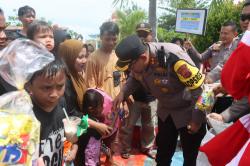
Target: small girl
(41, 32)
(89, 145)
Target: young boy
(46, 87)
(26, 15)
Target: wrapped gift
(206, 100)
(19, 128)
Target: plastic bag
(218, 126)
(20, 59)
(202, 159)
(19, 128)
(206, 100)
(209, 135)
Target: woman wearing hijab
(74, 54)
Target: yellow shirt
(100, 71)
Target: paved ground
(138, 159)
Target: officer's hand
(117, 101)
(208, 80)
(125, 109)
(193, 127)
(103, 129)
(219, 89)
(216, 46)
(216, 116)
(187, 45)
(130, 100)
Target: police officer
(144, 106)
(169, 74)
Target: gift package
(19, 128)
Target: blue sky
(83, 16)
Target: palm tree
(151, 11)
(127, 21)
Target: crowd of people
(141, 77)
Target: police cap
(144, 27)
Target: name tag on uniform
(188, 74)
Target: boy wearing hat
(169, 74)
(144, 106)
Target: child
(41, 32)
(26, 16)
(46, 87)
(89, 144)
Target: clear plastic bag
(217, 126)
(19, 128)
(202, 159)
(20, 59)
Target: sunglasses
(244, 17)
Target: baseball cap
(144, 27)
(128, 50)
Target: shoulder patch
(188, 74)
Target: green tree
(151, 11)
(218, 14)
(220, 11)
(166, 36)
(171, 6)
(74, 34)
(13, 20)
(166, 22)
(127, 21)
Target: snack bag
(206, 100)
(19, 128)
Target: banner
(191, 21)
